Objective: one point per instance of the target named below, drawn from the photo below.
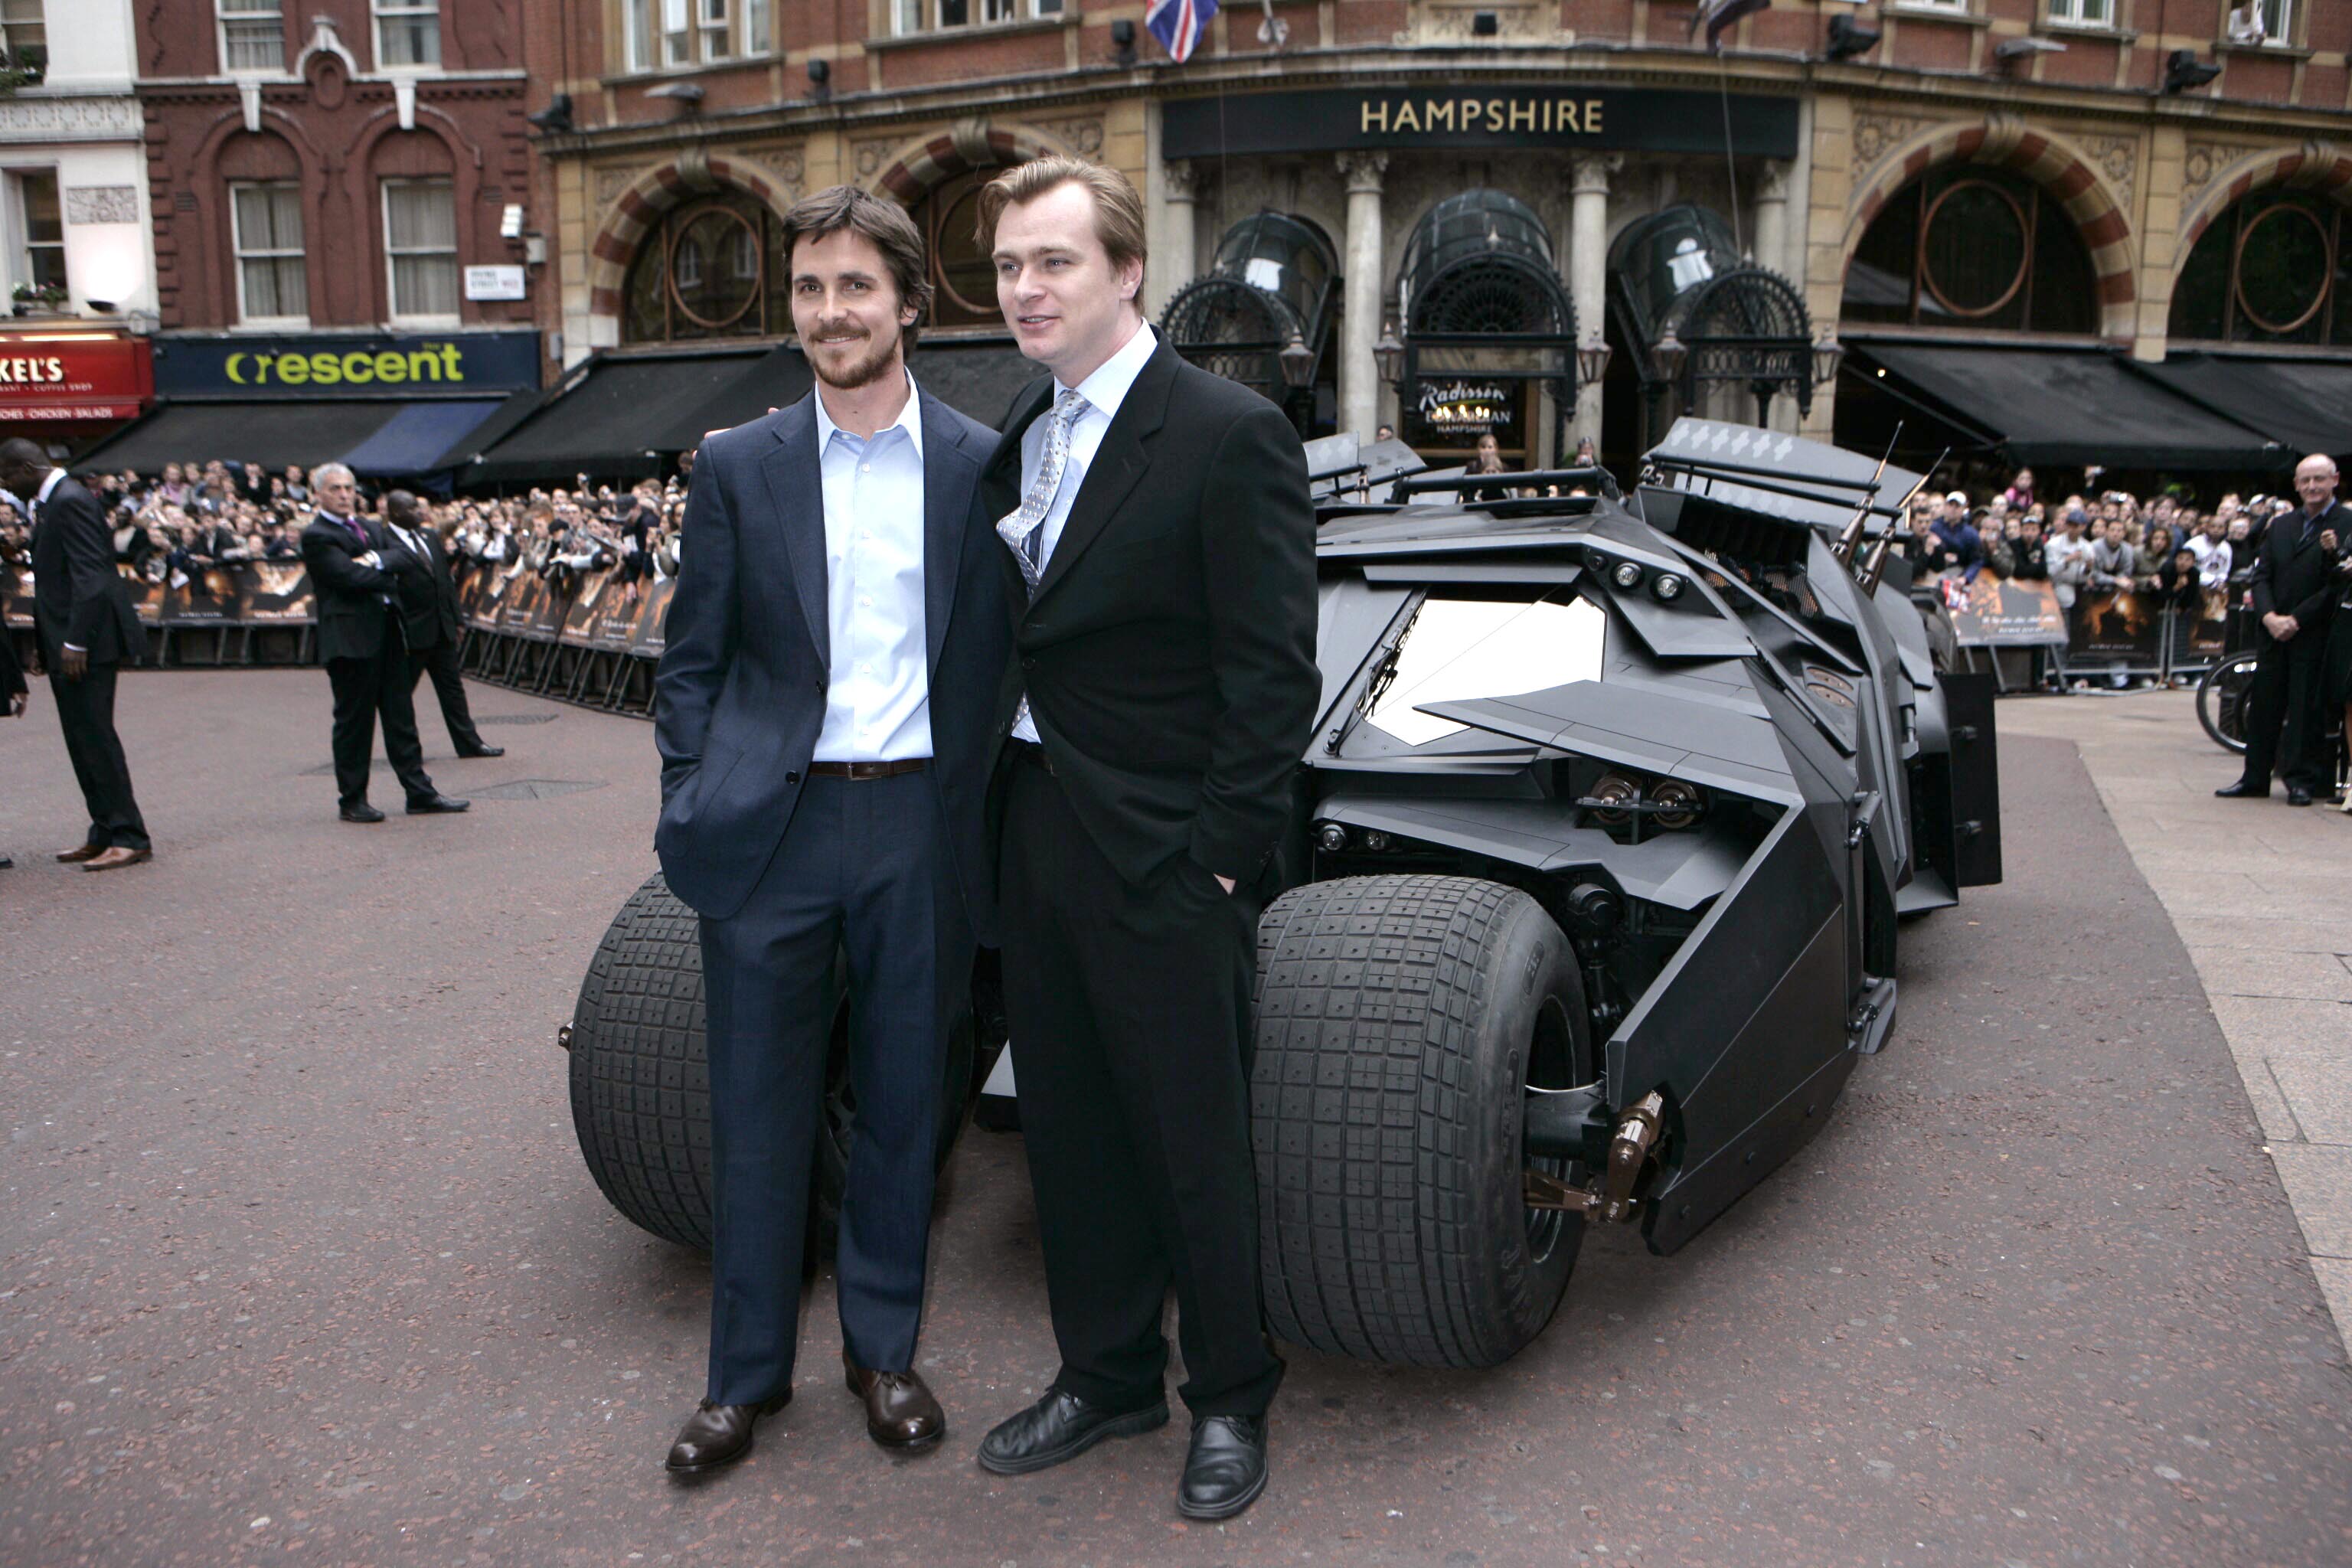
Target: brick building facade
(2013, 177)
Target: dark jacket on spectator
(2032, 565)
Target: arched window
(711, 268)
(2272, 270)
(963, 283)
(1976, 248)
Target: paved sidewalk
(2262, 896)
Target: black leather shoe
(900, 1411)
(484, 751)
(363, 812)
(2242, 790)
(1226, 1468)
(432, 805)
(716, 1435)
(1057, 1427)
(6, 863)
(2297, 795)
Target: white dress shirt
(878, 704)
(1104, 391)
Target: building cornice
(1030, 95)
(53, 117)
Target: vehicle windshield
(1459, 649)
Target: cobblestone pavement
(298, 1261)
(2262, 895)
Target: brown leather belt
(1029, 751)
(868, 770)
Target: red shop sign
(65, 377)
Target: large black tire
(2223, 698)
(1400, 1022)
(641, 1085)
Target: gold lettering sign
(1527, 114)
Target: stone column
(1772, 217)
(1175, 264)
(1367, 294)
(1587, 268)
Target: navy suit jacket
(741, 694)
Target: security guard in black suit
(435, 627)
(88, 627)
(356, 569)
(2294, 590)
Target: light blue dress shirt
(878, 704)
(1104, 391)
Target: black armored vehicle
(1594, 880)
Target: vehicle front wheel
(1401, 1022)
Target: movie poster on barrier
(17, 595)
(523, 595)
(486, 593)
(2208, 634)
(548, 613)
(147, 598)
(277, 592)
(2003, 612)
(203, 598)
(2118, 627)
(614, 628)
(580, 613)
(651, 618)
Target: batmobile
(1593, 886)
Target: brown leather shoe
(900, 1412)
(716, 1435)
(76, 857)
(117, 855)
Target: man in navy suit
(824, 710)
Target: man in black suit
(14, 693)
(357, 571)
(823, 711)
(1160, 556)
(433, 622)
(2294, 594)
(87, 627)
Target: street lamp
(1828, 353)
(1389, 354)
(1666, 357)
(1593, 362)
(1297, 362)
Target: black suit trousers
(86, 714)
(1130, 1009)
(367, 689)
(2287, 725)
(862, 873)
(444, 663)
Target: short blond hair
(1119, 210)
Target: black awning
(270, 434)
(413, 439)
(977, 379)
(516, 408)
(626, 416)
(2305, 405)
(2071, 406)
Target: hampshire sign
(1520, 115)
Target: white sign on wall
(494, 283)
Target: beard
(859, 369)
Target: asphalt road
(299, 1260)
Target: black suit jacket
(11, 674)
(355, 598)
(1169, 656)
(78, 595)
(740, 695)
(2293, 576)
(428, 594)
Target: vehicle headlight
(1616, 791)
(1627, 575)
(1331, 838)
(1668, 587)
(1375, 840)
(1686, 802)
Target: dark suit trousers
(443, 662)
(86, 714)
(1129, 1010)
(2288, 724)
(863, 870)
(367, 689)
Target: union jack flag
(1178, 24)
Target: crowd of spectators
(191, 517)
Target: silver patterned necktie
(1024, 530)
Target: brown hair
(1118, 211)
(883, 222)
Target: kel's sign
(60, 378)
(338, 366)
(1502, 115)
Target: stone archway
(2322, 167)
(908, 172)
(2006, 142)
(641, 205)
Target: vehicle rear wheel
(1400, 1022)
(641, 1085)
(2222, 701)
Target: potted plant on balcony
(30, 299)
